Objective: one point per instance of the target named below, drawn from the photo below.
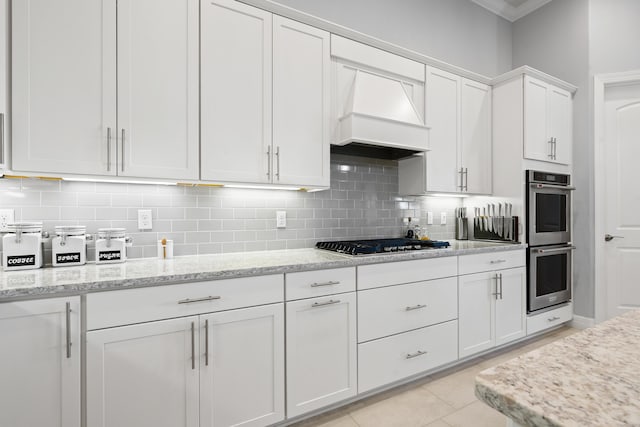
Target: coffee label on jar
(20, 260)
(68, 258)
(109, 255)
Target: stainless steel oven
(549, 271)
(548, 208)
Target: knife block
(497, 228)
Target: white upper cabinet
(301, 103)
(458, 112)
(158, 91)
(106, 90)
(4, 83)
(64, 86)
(547, 122)
(236, 92)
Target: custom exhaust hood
(379, 120)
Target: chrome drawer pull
(68, 329)
(193, 346)
(497, 261)
(189, 300)
(416, 354)
(206, 342)
(320, 304)
(415, 307)
(329, 283)
(553, 319)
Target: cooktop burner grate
(375, 246)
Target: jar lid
(25, 227)
(71, 230)
(112, 233)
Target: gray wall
(455, 31)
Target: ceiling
(511, 10)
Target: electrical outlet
(429, 218)
(443, 218)
(6, 217)
(281, 219)
(144, 219)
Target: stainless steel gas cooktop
(376, 246)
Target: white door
(321, 352)
(4, 83)
(236, 92)
(301, 103)
(442, 112)
(40, 381)
(158, 90)
(622, 199)
(242, 367)
(560, 124)
(64, 86)
(537, 145)
(476, 312)
(144, 375)
(510, 306)
(475, 141)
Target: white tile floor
(445, 399)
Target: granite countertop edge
(147, 272)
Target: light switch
(281, 219)
(429, 218)
(443, 218)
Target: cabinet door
(560, 124)
(242, 367)
(64, 86)
(236, 92)
(510, 306)
(537, 144)
(143, 375)
(40, 383)
(301, 103)
(443, 109)
(475, 143)
(321, 352)
(158, 91)
(476, 312)
(4, 83)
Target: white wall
(455, 31)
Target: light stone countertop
(591, 378)
(59, 281)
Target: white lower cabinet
(321, 352)
(40, 369)
(390, 359)
(491, 307)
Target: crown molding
(509, 12)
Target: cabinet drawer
(549, 319)
(129, 306)
(469, 264)
(393, 358)
(397, 273)
(391, 310)
(309, 284)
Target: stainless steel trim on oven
(538, 300)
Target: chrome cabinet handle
(555, 148)
(461, 172)
(329, 283)
(193, 345)
(189, 300)
(206, 342)
(497, 261)
(551, 251)
(269, 162)
(500, 275)
(608, 237)
(123, 155)
(550, 142)
(1, 138)
(416, 354)
(553, 319)
(278, 163)
(108, 149)
(415, 307)
(466, 179)
(68, 328)
(497, 292)
(322, 304)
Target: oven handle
(555, 187)
(549, 251)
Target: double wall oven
(549, 238)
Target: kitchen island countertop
(591, 378)
(58, 281)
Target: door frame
(600, 83)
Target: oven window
(551, 213)
(551, 274)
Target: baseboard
(581, 322)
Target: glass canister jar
(111, 245)
(69, 246)
(22, 246)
